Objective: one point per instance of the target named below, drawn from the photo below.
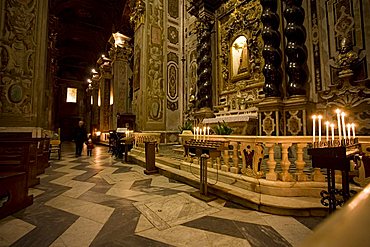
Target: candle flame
(319, 117)
(327, 123)
(314, 116)
(343, 114)
(337, 111)
(332, 125)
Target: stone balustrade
(272, 158)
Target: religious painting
(239, 59)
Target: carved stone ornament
(268, 123)
(346, 57)
(155, 87)
(294, 123)
(138, 14)
(245, 20)
(17, 51)
(121, 52)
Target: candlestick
(194, 132)
(208, 128)
(332, 132)
(313, 127)
(327, 130)
(353, 130)
(319, 117)
(343, 126)
(349, 130)
(339, 128)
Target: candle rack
(204, 149)
(335, 155)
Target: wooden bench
(14, 170)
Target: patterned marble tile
(12, 229)
(173, 210)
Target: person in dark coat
(80, 136)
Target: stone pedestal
(270, 116)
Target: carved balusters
(295, 50)
(299, 175)
(235, 168)
(285, 163)
(226, 166)
(271, 163)
(271, 51)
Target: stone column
(105, 87)
(120, 54)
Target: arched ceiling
(83, 30)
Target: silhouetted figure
(80, 136)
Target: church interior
(210, 122)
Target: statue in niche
(239, 58)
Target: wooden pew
(14, 168)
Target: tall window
(71, 95)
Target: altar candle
(200, 132)
(194, 132)
(313, 127)
(327, 130)
(339, 128)
(353, 130)
(197, 133)
(319, 117)
(349, 131)
(343, 125)
(208, 128)
(204, 132)
(332, 132)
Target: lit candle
(197, 133)
(343, 125)
(208, 128)
(332, 132)
(339, 128)
(313, 127)
(319, 117)
(349, 130)
(204, 132)
(194, 132)
(327, 130)
(353, 130)
(200, 132)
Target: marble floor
(102, 201)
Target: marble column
(295, 50)
(271, 50)
(105, 91)
(120, 54)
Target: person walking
(80, 136)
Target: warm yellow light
(98, 133)
(71, 95)
(89, 80)
(111, 96)
(120, 39)
(99, 99)
(94, 71)
(92, 100)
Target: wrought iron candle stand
(335, 155)
(204, 149)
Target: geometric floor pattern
(102, 201)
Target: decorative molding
(173, 35)
(173, 8)
(268, 123)
(294, 122)
(316, 46)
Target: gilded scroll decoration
(243, 21)
(138, 14)
(155, 79)
(17, 51)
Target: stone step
(244, 191)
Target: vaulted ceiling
(83, 29)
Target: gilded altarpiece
(341, 42)
(240, 60)
(23, 44)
